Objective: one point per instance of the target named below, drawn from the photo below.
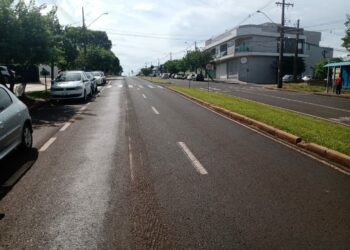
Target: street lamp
(106, 13)
(261, 12)
(281, 47)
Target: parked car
(191, 76)
(306, 78)
(165, 76)
(15, 123)
(287, 78)
(98, 77)
(199, 77)
(104, 80)
(71, 85)
(92, 79)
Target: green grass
(305, 87)
(38, 95)
(333, 136)
(310, 88)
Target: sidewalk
(38, 86)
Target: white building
(250, 53)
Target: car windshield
(68, 76)
(96, 74)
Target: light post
(106, 13)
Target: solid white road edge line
(144, 96)
(47, 144)
(196, 164)
(65, 126)
(275, 140)
(155, 110)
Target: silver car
(71, 85)
(15, 123)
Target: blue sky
(144, 31)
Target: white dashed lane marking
(155, 110)
(196, 164)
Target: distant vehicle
(98, 77)
(15, 123)
(199, 77)
(306, 78)
(104, 81)
(165, 76)
(287, 78)
(191, 76)
(179, 76)
(92, 79)
(71, 85)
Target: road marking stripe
(196, 164)
(144, 96)
(131, 86)
(120, 85)
(141, 86)
(150, 86)
(160, 87)
(65, 126)
(306, 153)
(47, 144)
(109, 86)
(155, 110)
(131, 163)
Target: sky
(145, 32)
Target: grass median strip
(327, 134)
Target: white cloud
(143, 6)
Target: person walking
(338, 84)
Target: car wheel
(85, 97)
(27, 137)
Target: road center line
(144, 96)
(47, 144)
(65, 126)
(150, 86)
(155, 110)
(131, 86)
(196, 164)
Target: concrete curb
(326, 153)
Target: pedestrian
(338, 84)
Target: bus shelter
(336, 69)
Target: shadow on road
(13, 167)
(54, 114)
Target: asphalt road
(331, 108)
(141, 167)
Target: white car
(98, 77)
(71, 85)
(15, 123)
(306, 78)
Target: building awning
(337, 64)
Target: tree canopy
(29, 37)
(346, 39)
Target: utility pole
(280, 58)
(295, 65)
(84, 36)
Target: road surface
(141, 167)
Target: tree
(197, 59)
(346, 39)
(320, 70)
(146, 71)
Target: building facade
(249, 53)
